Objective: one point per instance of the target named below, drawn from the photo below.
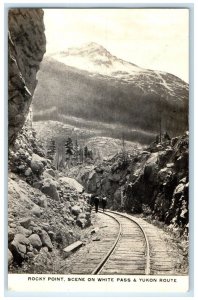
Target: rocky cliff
(154, 182)
(26, 46)
(45, 212)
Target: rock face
(26, 49)
(40, 218)
(153, 182)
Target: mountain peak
(94, 58)
(88, 49)
(92, 45)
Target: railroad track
(130, 252)
(127, 246)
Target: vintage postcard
(98, 172)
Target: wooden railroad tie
(71, 248)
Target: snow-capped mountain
(90, 88)
(96, 59)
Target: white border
(3, 137)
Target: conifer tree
(51, 151)
(69, 150)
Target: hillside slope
(118, 95)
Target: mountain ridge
(93, 49)
(139, 102)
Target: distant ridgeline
(113, 98)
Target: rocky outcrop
(160, 185)
(40, 217)
(154, 182)
(37, 222)
(26, 48)
(107, 178)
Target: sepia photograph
(98, 145)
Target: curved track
(124, 245)
(130, 251)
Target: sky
(156, 39)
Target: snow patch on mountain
(96, 59)
(163, 82)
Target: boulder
(72, 183)
(37, 184)
(35, 241)
(82, 215)
(21, 168)
(164, 174)
(82, 220)
(37, 165)
(30, 254)
(25, 222)
(49, 187)
(45, 226)
(42, 201)
(76, 210)
(28, 172)
(24, 231)
(13, 225)
(45, 239)
(36, 211)
(18, 247)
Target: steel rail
(147, 268)
(105, 259)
